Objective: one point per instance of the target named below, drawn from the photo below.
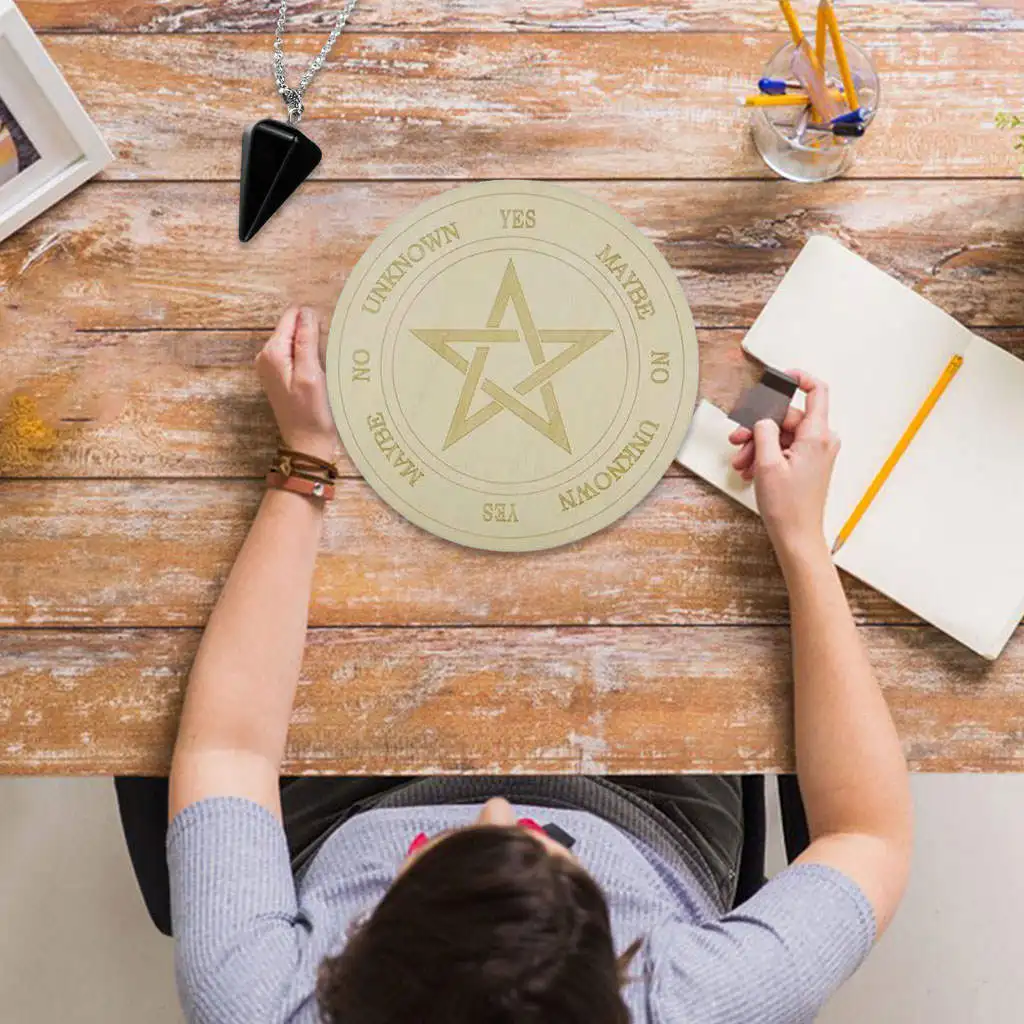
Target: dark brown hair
(485, 927)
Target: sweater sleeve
(776, 959)
(239, 934)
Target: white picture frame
(69, 146)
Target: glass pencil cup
(781, 135)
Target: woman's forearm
(234, 724)
(852, 770)
(851, 767)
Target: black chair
(794, 829)
(142, 803)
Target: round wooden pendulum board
(512, 366)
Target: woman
(423, 901)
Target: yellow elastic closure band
(897, 453)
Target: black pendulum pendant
(276, 159)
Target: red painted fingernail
(530, 824)
(420, 841)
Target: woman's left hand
(291, 374)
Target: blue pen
(779, 87)
(847, 131)
(776, 86)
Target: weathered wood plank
(505, 700)
(116, 256)
(181, 403)
(537, 106)
(144, 553)
(509, 15)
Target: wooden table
(660, 644)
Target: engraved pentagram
(510, 292)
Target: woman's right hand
(791, 471)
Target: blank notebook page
(880, 347)
(944, 535)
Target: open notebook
(945, 535)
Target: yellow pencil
(820, 36)
(897, 453)
(840, 51)
(789, 99)
(814, 75)
(794, 26)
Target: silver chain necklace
(293, 97)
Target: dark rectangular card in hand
(767, 400)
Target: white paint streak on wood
(40, 250)
(566, 106)
(685, 699)
(194, 406)
(156, 553)
(718, 237)
(511, 16)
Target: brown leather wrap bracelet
(288, 459)
(303, 474)
(301, 485)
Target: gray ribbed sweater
(249, 938)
